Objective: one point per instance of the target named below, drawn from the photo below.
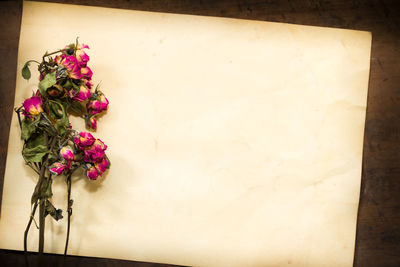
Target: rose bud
(83, 94)
(84, 139)
(93, 123)
(81, 56)
(57, 168)
(98, 144)
(33, 106)
(86, 73)
(94, 106)
(92, 173)
(87, 83)
(75, 72)
(67, 153)
(103, 102)
(71, 64)
(55, 90)
(93, 154)
(102, 165)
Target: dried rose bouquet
(51, 147)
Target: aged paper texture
(232, 142)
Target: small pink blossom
(33, 106)
(92, 173)
(99, 144)
(93, 123)
(88, 84)
(67, 153)
(83, 94)
(81, 56)
(94, 107)
(71, 64)
(103, 102)
(102, 165)
(55, 90)
(86, 73)
(82, 46)
(95, 153)
(84, 139)
(97, 104)
(57, 168)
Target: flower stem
(41, 229)
(69, 212)
(27, 231)
(42, 203)
(55, 52)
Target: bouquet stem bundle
(51, 146)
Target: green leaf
(42, 190)
(35, 140)
(56, 112)
(59, 113)
(45, 189)
(47, 125)
(77, 107)
(28, 127)
(48, 81)
(66, 83)
(34, 154)
(55, 213)
(26, 73)
(62, 125)
(75, 85)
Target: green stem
(27, 231)
(19, 117)
(42, 204)
(41, 229)
(32, 60)
(58, 51)
(69, 213)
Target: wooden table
(378, 226)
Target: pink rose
(67, 153)
(86, 73)
(84, 139)
(103, 102)
(92, 173)
(94, 106)
(81, 56)
(102, 165)
(71, 64)
(33, 106)
(58, 168)
(83, 94)
(87, 83)
(97, 104)
(93, 123)
(95, 153)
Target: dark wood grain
(378, 226)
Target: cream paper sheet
(233, 142)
